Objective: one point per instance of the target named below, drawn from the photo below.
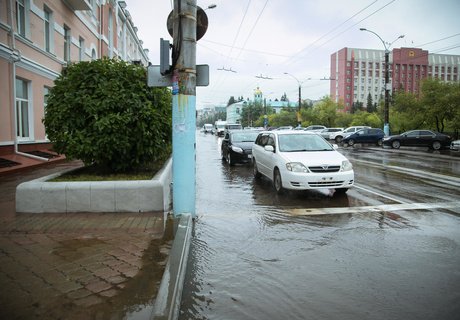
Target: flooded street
(389, 249)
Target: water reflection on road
(254, 257)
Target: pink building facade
(37, 40)
(360, 72)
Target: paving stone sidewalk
(77, 266)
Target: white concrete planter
(40, 195)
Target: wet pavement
(78, 266)
(388, 249)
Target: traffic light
(164, 56)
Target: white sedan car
(455, 145)
(299, 160)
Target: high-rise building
(358, 73)
(37, 40)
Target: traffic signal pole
(184, 107)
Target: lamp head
(363, 29)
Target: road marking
(449, 180)
(380, 194)
(378, 208)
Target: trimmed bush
(103, 113)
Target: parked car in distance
(233, 126)
(208, 128)
(237, 146)
(418, 138)
(455, 145)
(325, 133)
(300, 160)
(339, 135)
(284, 128)
(219, 127)
(372, 135)
(315, 128)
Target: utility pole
(386, 126)
(386, 111)
(184, 106)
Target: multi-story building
(356, 73)
(38, 38)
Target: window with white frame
(21, 17)
(48, 28)
(46, 91)
(110, 33)
(81, 52)
(67, 43)
(22, 108)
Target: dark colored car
(418, 138)
(370, 135)
(237, 146)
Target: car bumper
(241, 157)
(305, 181)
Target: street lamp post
(300, 97)
(386, 126)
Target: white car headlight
(296, 167)
(237, 149)
(346, 166)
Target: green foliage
(211, 118)
(437, 108)
(284, 118)
(103, 113)
(441, 102)
(251, 113)
(363, 118)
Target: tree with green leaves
(103, 113)
(370, 107)
(441, 103)
(286, 117)
(250, 113)
(326, 112)
(231, 101)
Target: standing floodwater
(312, 255)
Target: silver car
(325, 133)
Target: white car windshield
(302, 143)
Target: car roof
(289, 132)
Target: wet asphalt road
(389, 249)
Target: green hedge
(103, 113)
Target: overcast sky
(266, 38)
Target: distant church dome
(258, 95)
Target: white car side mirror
(269, 148)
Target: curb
(167, 303)
(41, 196)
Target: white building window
(81, 52)
(67, 43)
(22, 109)
(110, 27)
(48, 29)
(21, 17)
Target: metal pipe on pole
(184, 106)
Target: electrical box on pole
(164, 56)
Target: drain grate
(42, 154)
(5, 163)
